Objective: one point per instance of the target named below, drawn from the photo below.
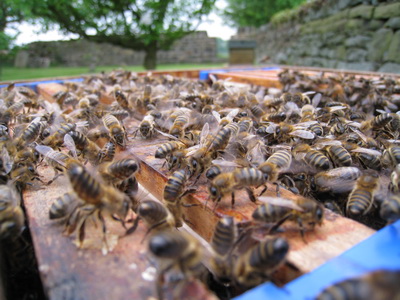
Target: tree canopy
(254, 13)
(148, 25)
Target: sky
(214, 26)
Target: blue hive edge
(33, 84)
(381, 251)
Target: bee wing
(342, 171)
(49, 153)
(216, 115)
(225, 163)
(192, 150)
(271, 128)
(327, 142)
(70, 144)
(7, 161)
(205, 131)
(82, 124)
(335, 108)
(309, 93)
(280, 202)
(232, 113)
(304, 134)
(213, 77)
(316, 100)
(305, 124)
(367, 151)
(166, 134)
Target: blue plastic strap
(381, 251)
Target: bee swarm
(280, 174)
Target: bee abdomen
(269, 254)
(359, 202)
(269, 213)
(317, 160)
(249, 176)
(123, 168)
(341, 155)
(173, 188)
(224, 236)
(84, 184)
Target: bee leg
(263, 191)
(215, 206)
(188, 191)
(189, 204)
(104, 228)
(134, 226)
(233, 199)
(277, 191)
(151, 228)
(300, 222)
(279, 223)
(82, 233)
(251, 195)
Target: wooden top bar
(87, 274)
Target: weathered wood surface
(71, 273)
(87, 274)
(266, 80)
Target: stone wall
(343, 34)
(194, 48)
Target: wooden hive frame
(87, 274)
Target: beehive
(67, 271)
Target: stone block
(374, 24)
(358, 41)
(393, 23)
(362, 11)
(341, 52)
(356, 54)
(387, 11)
(354, 24)
(390, 68)
(393, 53)
(379, 44)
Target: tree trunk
(150, 60)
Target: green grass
(11, 73)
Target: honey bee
(24, 174)
(106, 153)
(176, 251)
(257, 111)
(229, 182)
(146, 127)
(12, 112)
(116, 130)
(57, 138)
(275, 164)
(30, 133)
(285, 132)
(100, 198)
(63, 206)
(121, 98)
(115, 172)
(311, 157)
(259, 262)
(302, 210)
(222, 243)
(179, 125)
(339, 155)
(168, 148)
(155, 215)
(362, 196)
(390, 208)
(377, 122)
(338, 180)
(391, 156)
(174, 191)
(368, 158)
(226, 120)
(89, 149)
(11, 215)
(395, 180)
(276, 117)
(376, 285)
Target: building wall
(343, 34)
(194, 48)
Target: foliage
(255, 13)
(148, 25)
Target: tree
(254, 13)
(148, 25)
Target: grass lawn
(11, 73)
